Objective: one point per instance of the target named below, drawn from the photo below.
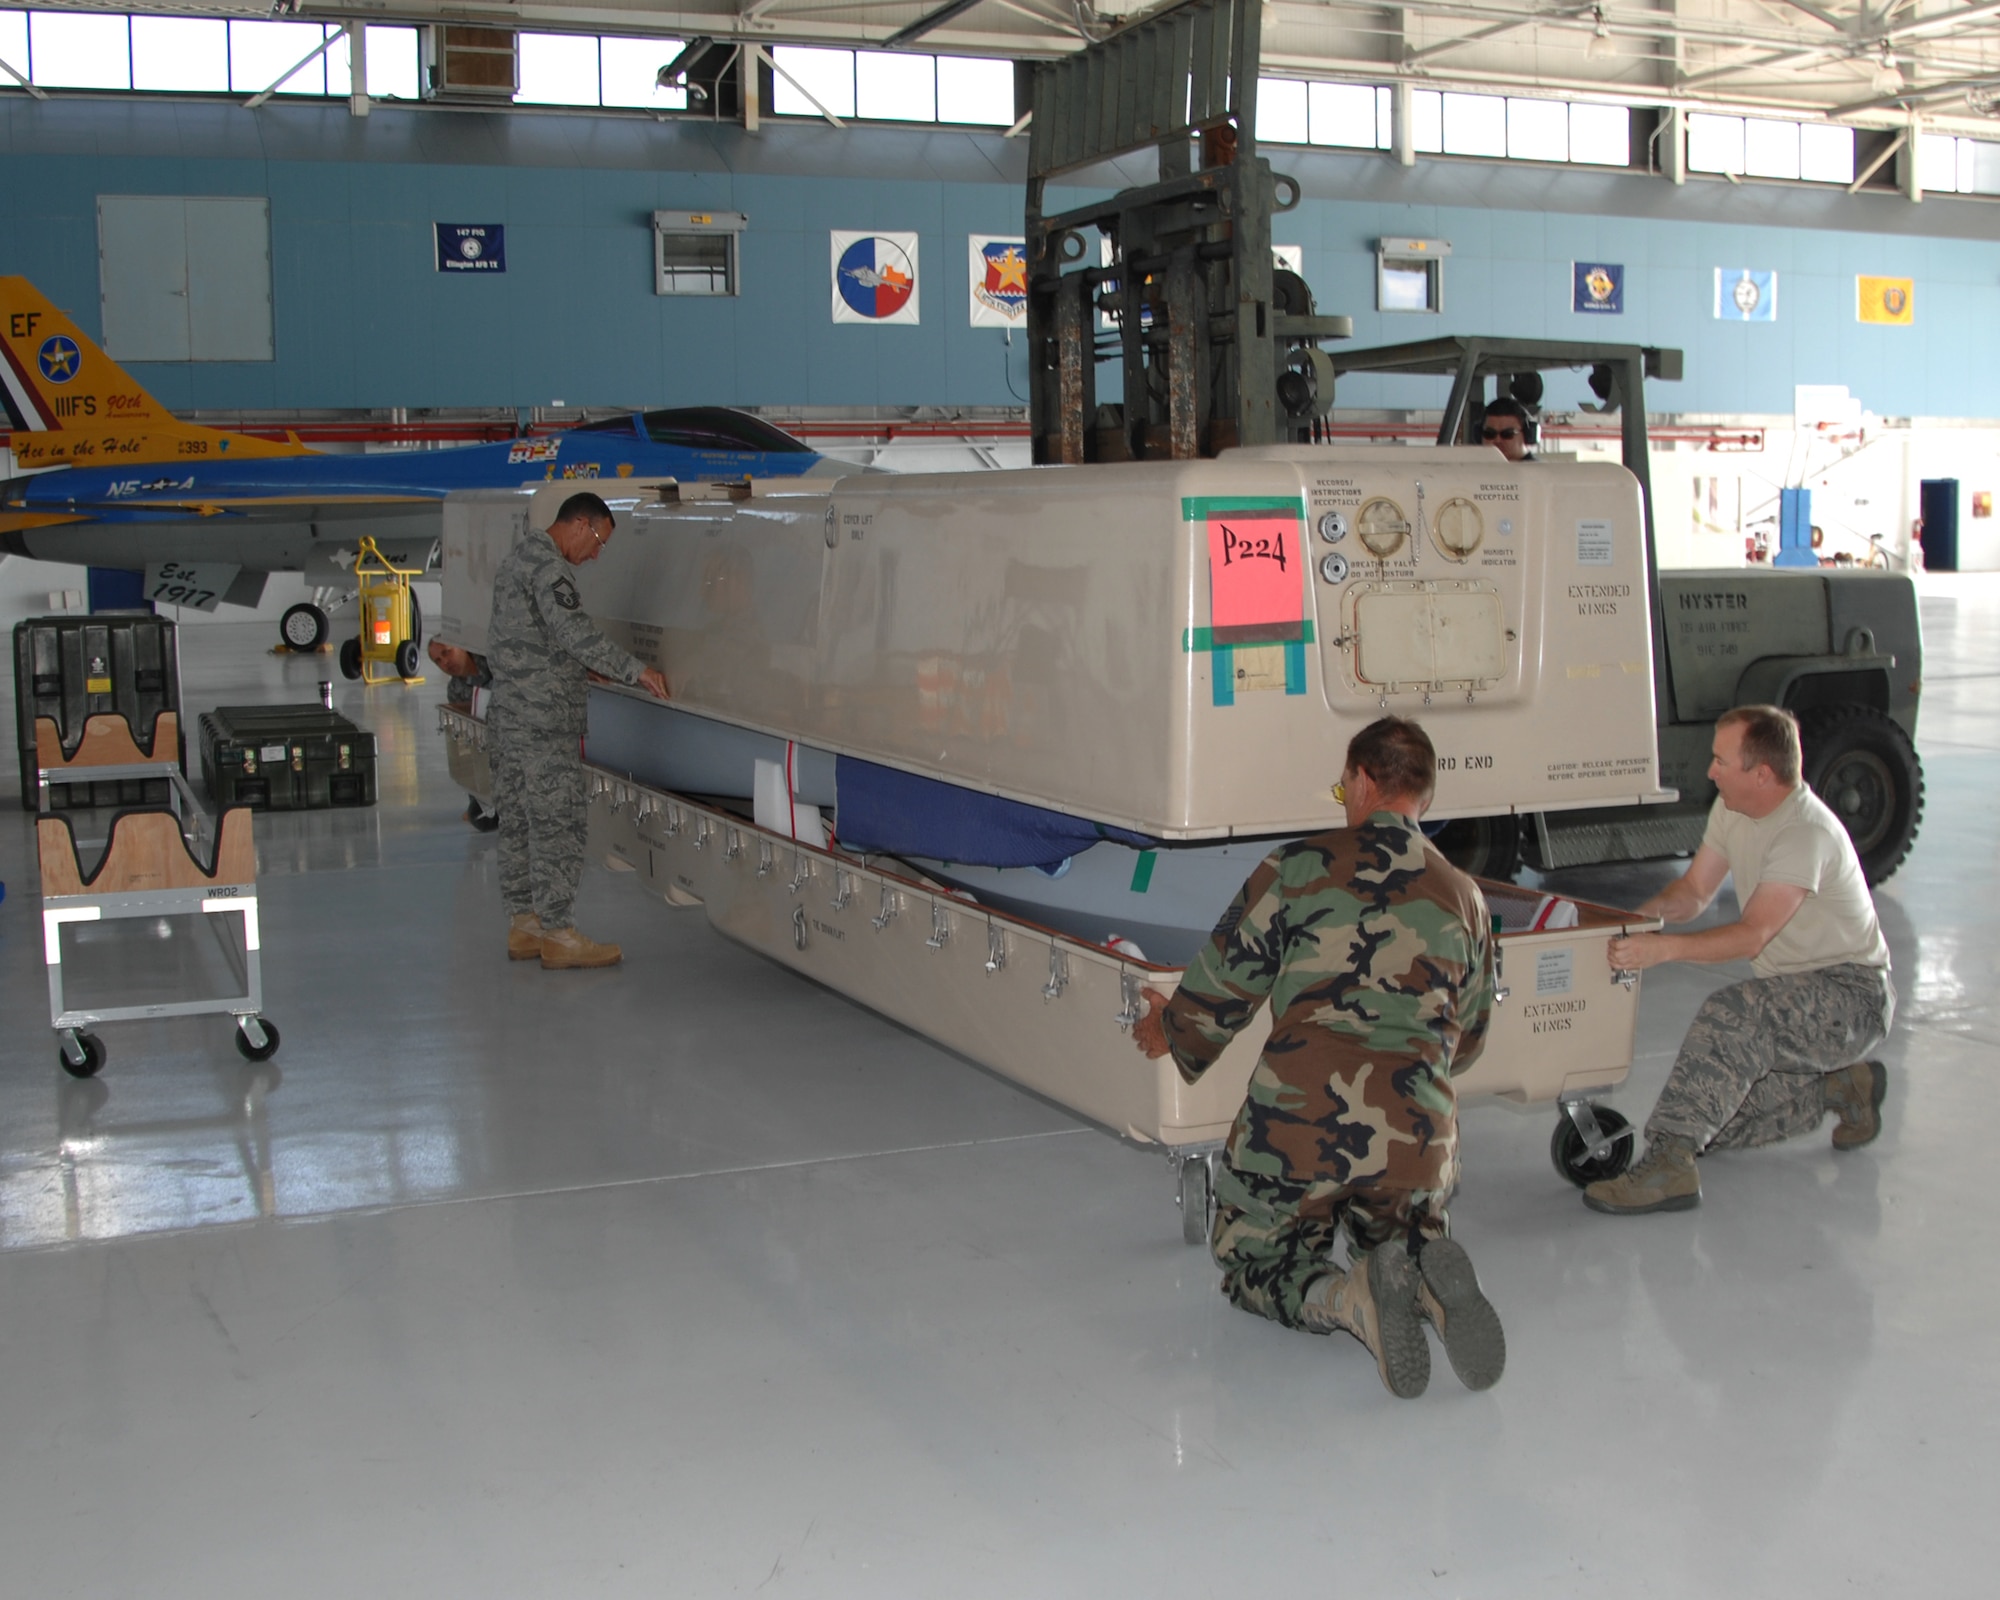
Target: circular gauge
(1457, 529)
(1382, 527)
(1333, 567)
(1333, 527)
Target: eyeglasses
(600, 537)
(1500, 433)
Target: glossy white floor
(692, 1279)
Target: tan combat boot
(1855, 1094)
(524, 937)
(1663, 1180)
(565, 947)
(1448, 1294)
(1375, 1299)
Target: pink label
(1254, 576)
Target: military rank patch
(566, 595)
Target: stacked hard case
(286, 758)
(70, 669)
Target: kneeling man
(1376, 956)
(1767, 1058)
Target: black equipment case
(73, 668)
(286, 758)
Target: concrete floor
(693, 1279)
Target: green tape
(1142, 871)
(1203, 639)
(1199, 508)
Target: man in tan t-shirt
(1768, 1058)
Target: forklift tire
(350, 658)
(303, 627)
(1485, 847)
(1862, 764)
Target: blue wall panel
(364, 319)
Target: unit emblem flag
(999, 281)
(1743, 294)
(1890, 301)
(1598, 287)
(874, 277)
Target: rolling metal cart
(185, 899)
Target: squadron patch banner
(874, 277)
(1892, 301)
(1597, 287)
(999, 268)
(1743, 294)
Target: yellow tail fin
(67, 402)
(54, 376)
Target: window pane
(1715, 144)
(1937, 162)
(1281, 111)
(392, 63)
(1385, 119)
(1475, 125)
(1538, 130)
(1426, 121)
(826, 75)
(1985, 166)
(259, 51)
(1600, 136)
(1341, 113)
(892, 87)
(1965, 166)
(631, 69)
(1826, 153)
(976, 89)
(13, 42)
(339, 69)
(181, 53)
(1770, 149)
(73, 51)
(557, 69)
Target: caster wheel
(89, 1048)
(257, 1052)
(409, 660)
(303, 627)
(1566, 1148)
(1197, 1197)
(350, 658)
(482, 819)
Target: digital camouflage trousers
(1749, 1072)
(1272, 1238)
(538, 785)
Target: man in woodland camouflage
(541, 651)
(1376, 957)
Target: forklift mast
(1171, 283)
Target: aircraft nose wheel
(1591, 1142)
(304, 626)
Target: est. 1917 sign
(471, 247)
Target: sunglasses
(1500, 433)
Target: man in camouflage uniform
(1768, 1058)
(541, 650)
(1376, 956)
(466, 674)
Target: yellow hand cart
(391, 627)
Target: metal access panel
(185, 277)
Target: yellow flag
(1890, 300)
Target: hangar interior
(699, 1277)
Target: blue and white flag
(1743, 294)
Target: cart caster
(350, 658)
(409, 660)
(1584, 1127)
(256, 1038)
(484, 820)
(1197, 1198)
(81, 1054)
